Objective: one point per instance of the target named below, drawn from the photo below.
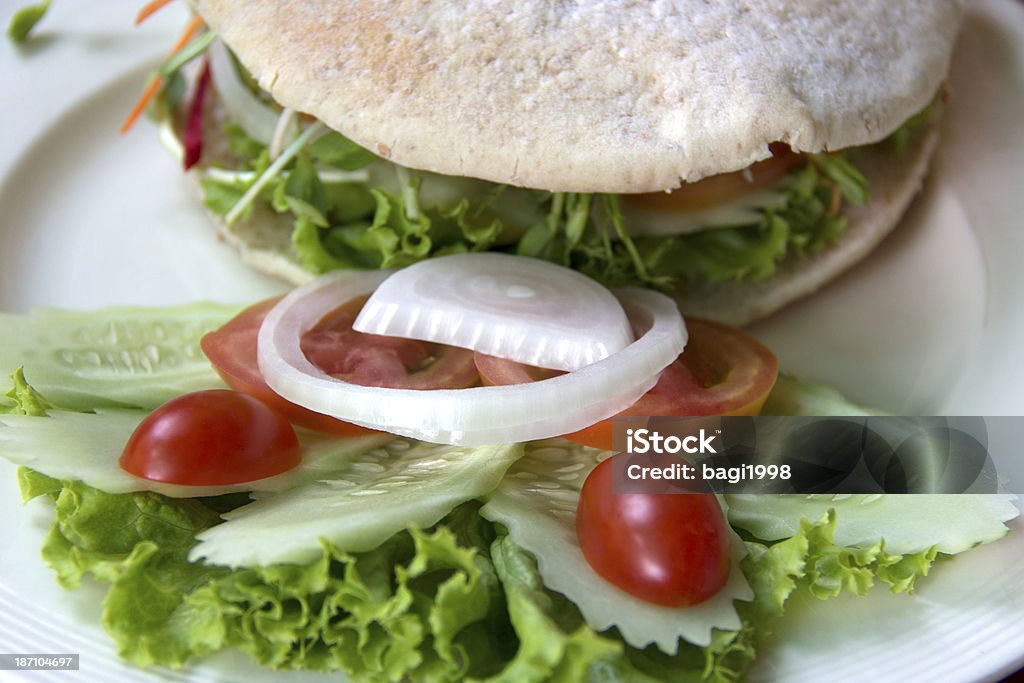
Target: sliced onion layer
(474, 416)
(256, 118)
(522, 309)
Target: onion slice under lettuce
(522, 309)
(257, 119)
(478, 415)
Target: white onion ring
(475, 416)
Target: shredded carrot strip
(190, 32)
(151, 90)
(154, 85)
(150, 9)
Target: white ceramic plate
(929, 324)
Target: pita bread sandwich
(738, 155)
(442, 511)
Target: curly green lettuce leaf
(809, 562)
(92, 525)
(901, 137)
(410, 608)
(398, 611)
(24, 399)
(397, 233)
(458, 601)
(373, 224)
(241, 143)
(554, 643)
(338, 151)
(805, 223)
(219, 196)
(34, 485)
(837, 168)
(588, 233)
(138, 543)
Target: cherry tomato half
(670, 549)
(722, 371)
(719, 189)
(211, 438)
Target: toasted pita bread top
(595, 95)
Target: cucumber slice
(86, 447)
(358, 505)
(537, 503)
(138, 357)
(790, 396)
(907, 523)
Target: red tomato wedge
(719, 189)
(722, 371)
(334, 347)
(671, 549)
(211, 438)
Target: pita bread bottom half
(894, 179)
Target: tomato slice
(496, 371)
(337, 349)
(719, 189)
(722, 371)
(671, 549)
(211, 438)
(377, 361)
(232, 351)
